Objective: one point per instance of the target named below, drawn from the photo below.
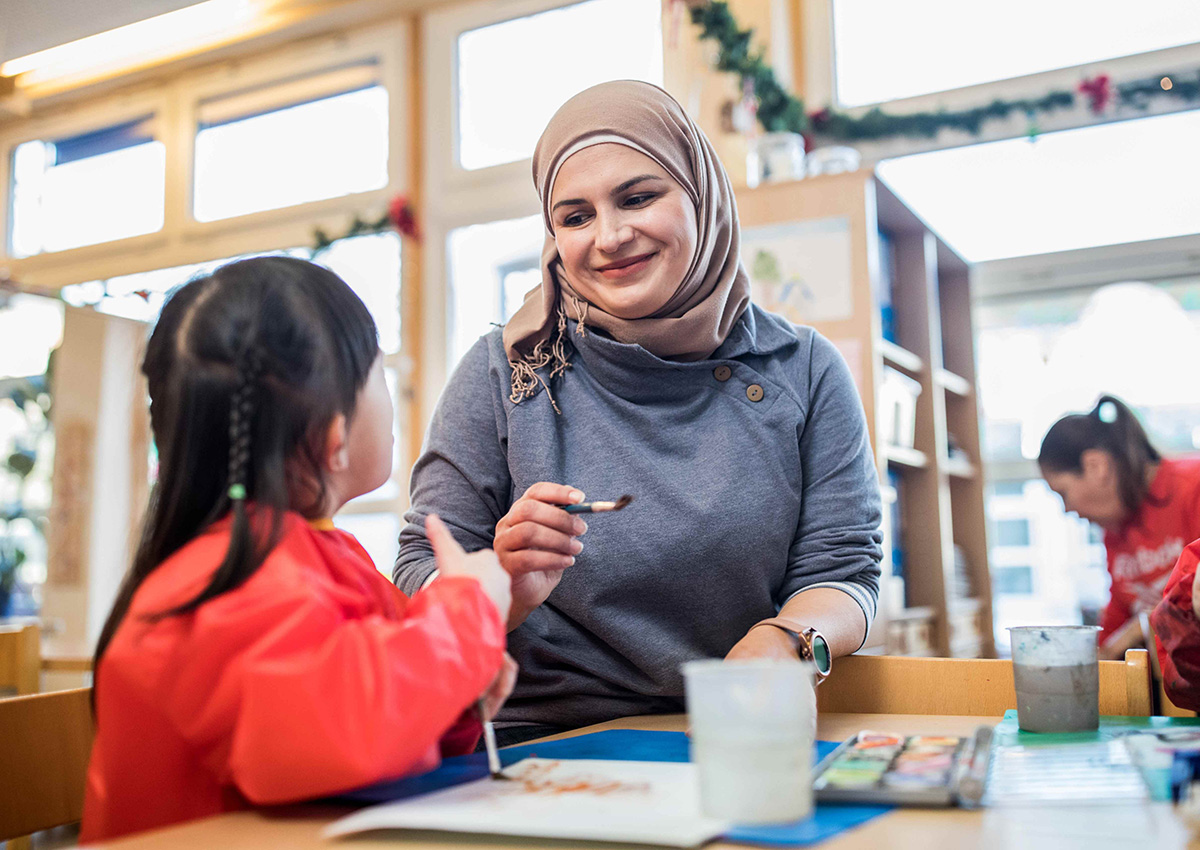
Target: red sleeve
(463, 736)
(1178, 633)
(321, 703)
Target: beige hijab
(714, 292)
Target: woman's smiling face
(625, 230)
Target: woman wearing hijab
(640, 366)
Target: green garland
(780, 111)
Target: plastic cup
(1056, 672)
(752, 738)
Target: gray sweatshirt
(739, 504)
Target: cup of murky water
(752, 726)
(1057, 676)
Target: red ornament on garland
(404, 217)
(1098, 91)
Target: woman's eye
(574, 220)
(640, 199)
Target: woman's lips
(626, 268)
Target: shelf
(909, 458)
(967, 649)
(915, 612)
(899, 357)
(958, 467)
(965, 605)
(952, 383)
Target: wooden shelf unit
(940, 495)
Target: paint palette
(912, 770)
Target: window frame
(174, 102)
(458, 197)
(820, 87)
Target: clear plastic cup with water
(1056, 672)
(752, 727)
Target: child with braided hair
(254, 654)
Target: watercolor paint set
(900, 770)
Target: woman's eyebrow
(633, 181)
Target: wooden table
(1087, 828)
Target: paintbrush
(489, 741)
(599, 507)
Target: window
(1011, 532)
(88, 188)
(262, 150)
(1101, 185)
(491, 267)
(379, 534)
(886, 50)
(1040, 357)
(1012, 581)
(30, 329)
(1008, 488)
(546, 58)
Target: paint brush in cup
(489, 742)
(599, 507)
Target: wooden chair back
(20, 659)
(45, 743)
(883, 684)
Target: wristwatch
(810, 644)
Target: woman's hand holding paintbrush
(537, 540)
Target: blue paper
(623, 745)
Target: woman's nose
(612, 233)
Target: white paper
(801, 270)
(623, 801)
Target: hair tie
(1107, 412)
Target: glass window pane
(323, 148)
(30, 328)
(371, 265)
(1103, 185)
(1040, 357)
(488, 264)
(886, 49)
(547, 58)
(140, 296)
(378, 533)
(86, 189)
(1012, 580)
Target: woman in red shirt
(254, 654)
(1106, 470)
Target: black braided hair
(246, 368)
(241, 425)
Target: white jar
(774, 157)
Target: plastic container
(1056, 672)
(753, 724)
(898, 408)
(775, 157)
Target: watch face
(820, 653)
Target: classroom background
(996, 217)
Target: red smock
(1142, 553)
(1178, 633)
(315, 676)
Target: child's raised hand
(501, 687)
(483, 566)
